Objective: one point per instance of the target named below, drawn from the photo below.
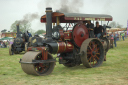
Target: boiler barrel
(65, 47)
(60, 47)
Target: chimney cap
(49, 8)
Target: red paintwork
(67, 35)
(83, 19)
(61, 34)
(69, 47)
(79, 30)
(66, 19)
(65, 47)
(42, 49)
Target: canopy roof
(6, 38)
(75, 17)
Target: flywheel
(79, 34)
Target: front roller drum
(92, 53)
(39, 69)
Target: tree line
(25, 27)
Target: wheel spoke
(95, 60)
(97, 57)
(95, 46)
(98, 53)
(89, 59)
(90, 47)
(97, 49)
(88, 52)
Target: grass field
(112, 72)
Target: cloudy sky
(12, 10)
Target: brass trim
(53, 24)
(67, 32)
(65, 46)
(58, 20)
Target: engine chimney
(49, 23)
(18, 33)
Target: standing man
(122, 34)
(98, 30)
(29, 34)
(117, 35)
(115, 38)
(90, 27)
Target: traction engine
(73, 47)
(20, 43)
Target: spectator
(115, 38)
(117, 35)
(112, 36)
(2, 45)
(122, 34)
(107, 35)
(11, 42)
(125, 35)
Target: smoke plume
(70, 6)
(67, 6)
(29, 18)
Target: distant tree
(26, 27)
(4, 30)
(13, 26)
(40, 32)
(118, 25)
(115, 25)
(23, 27)
(112, 24)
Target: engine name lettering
(89, 18)
(77, 18)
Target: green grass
(112, 72)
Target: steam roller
(72, 45)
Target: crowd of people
(5, 44)
(117, 36)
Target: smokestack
(18, 35)
(49, 22)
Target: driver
(98, 30)
(29, 34)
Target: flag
(127, 27)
